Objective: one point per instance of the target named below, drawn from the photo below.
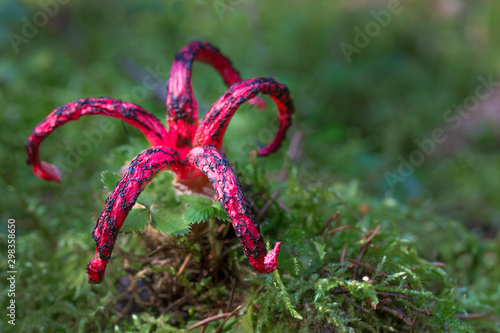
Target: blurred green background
(370, 81)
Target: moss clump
(348, 264)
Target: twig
(385, 301)
(344, 251)
(391, 294)
(175, 303)
(371, 269)
(424, 312)
(413, 323)
(282, 206)
(355, 304)
(364, 248)
(221, 228)
(342, 227)
(133, 257)
(213, 312)
(396, 313)
(355, 273)
(293, 150)
(207, 320)
(368, 267)
(438, 264)
(470, 315)
(251, 202)
(158, 249)
(372, 235)
(219, 329)
(327, 223)
(268, 204)
(233, 287)
(184, 264)
(232, 248)
(210, 319)
(347, 206)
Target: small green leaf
(192, 199)
(169, 221)
(219, 212)
(145, 199)
(316, 255)
(320, 248)
(198, 213)
(201, 209)
(136, 221)
(109, 179)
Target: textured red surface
(119, 203)
(213, 126)
(217, 169)
(136, 116)
(182, 109)
(173, 150)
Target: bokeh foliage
(356, 118)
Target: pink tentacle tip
(48, 172)
(270, 262)
(95, 270)
(262, 151)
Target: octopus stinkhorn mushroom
(189, 148)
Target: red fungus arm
(217, 169)
(148, 124)
(182, 109)
(119, 203)
(213, 126)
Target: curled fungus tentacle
(213, 126)
(140, 173)
(182, 109)
(230, 195)
(148, 124)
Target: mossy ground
(436, 245)
(348, 264)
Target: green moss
(357, 119)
